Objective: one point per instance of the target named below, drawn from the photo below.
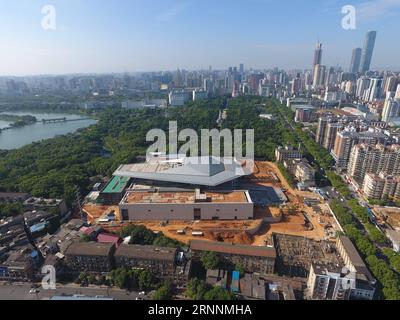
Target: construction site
(295, 254)
(278, 208)
(388, 216)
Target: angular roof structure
(205, 171)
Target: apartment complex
(91, 256)
(381, 187)
(373, 159)
(347, 139)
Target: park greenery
(10, 209)
(133, 279)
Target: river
(19, 137)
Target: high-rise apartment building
(381, 186)
(391, 110)
(374, 92)
(330, 134)
(368, 51)
(397, 95)
(347, 139)
(373, 159)
(362, 86)
(317, 54)
(319, 76)
(355, 60)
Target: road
(20, 291)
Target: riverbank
(17, 121)
(17, 134)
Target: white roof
(206, 171)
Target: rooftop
(229, 248)
(116, 185)
(89, 249)
(184, 197)
(146, 252)
(207, 171)
(355, 258)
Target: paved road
(21, 292)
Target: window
(197, 214)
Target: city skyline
(161, 36)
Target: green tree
(164, 292)
(196, 289)
(210, 260)
(145, 280)
(218, 293)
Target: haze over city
(97, 36)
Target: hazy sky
(146, 35)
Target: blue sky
(146, 35)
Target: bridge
(55, 120)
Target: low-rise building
(160, 261)
(305, 174)
(19, 266)
(13, 196)
(114, 191)
(327, 282)
(186, 205)
(365, 282)
(90, 257)
(47, 204)
(286, 153)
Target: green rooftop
(116, 185)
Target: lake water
(19, 137)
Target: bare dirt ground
(388, 215)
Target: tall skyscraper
(368, 51)
(317, 55)
(241, 68)
(319, 76)
(374, 91)
(355, 60)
